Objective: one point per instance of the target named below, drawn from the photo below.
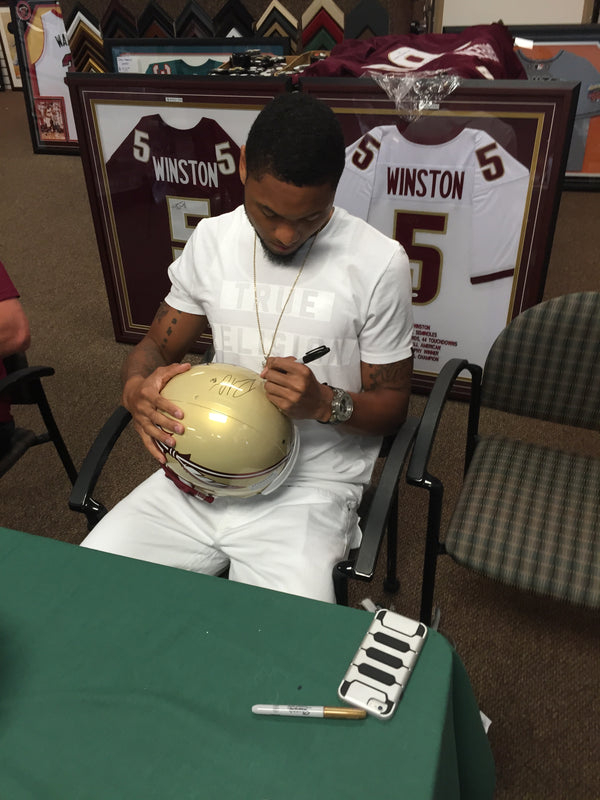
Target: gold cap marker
(332, 712)
(344, 713)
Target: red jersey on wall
(162, 181)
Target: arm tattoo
(389, 376)
(149, 361)
(163, 311)
(142, 360)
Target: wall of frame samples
(45, 39)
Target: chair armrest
(416, 474)
(80, 498)
(24, 375)
(387, 486)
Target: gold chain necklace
(290, 293)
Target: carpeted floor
(534, 663)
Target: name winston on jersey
(419, 182)
(186, 170)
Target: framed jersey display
(9, 47)
(44, 60)
(570, 53)
(184, 56)
(470, 189)
(158, 156)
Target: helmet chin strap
(185, 486)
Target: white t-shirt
(354, 296)
(459, 209)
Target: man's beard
(281, 259)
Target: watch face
(342, 406)
(345, 411)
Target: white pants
(288, 541)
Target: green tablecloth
(125, 680)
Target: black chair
(23, 385)
(528, 514)
(378, 514)
(378, 510)
(81, 498)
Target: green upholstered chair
(528, 514)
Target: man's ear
(242, 168)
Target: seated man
(14, 338)
(276, 277)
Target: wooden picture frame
(112, 107)
(529, 122)
(532, 122)
(9, 47)
(44, 60)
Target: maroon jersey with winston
(162, 181)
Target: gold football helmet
(236, 442)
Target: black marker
(316, 352)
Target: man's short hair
(296, 139)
